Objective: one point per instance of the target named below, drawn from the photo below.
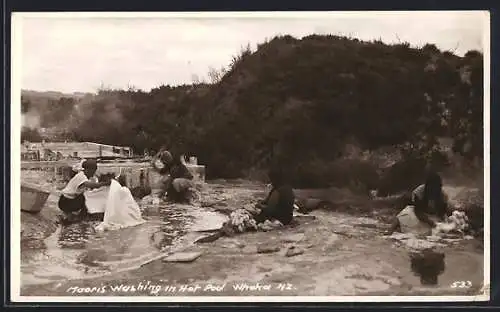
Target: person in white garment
(72, 200)
(121, 210)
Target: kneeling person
(72, 200)
(427, 206)
(279, 204)
(178, 182)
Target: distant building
(63, 150)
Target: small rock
(264, 269)
(232, 243)
(209, 238)
(182, 257)
(267, 249)
(294, 238)
(294, 251)
(468, 237)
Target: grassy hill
(299, 102)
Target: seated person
(428, 204)
(279, 203)
(72, 200)
(178, 178)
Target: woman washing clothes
(279, 203)
(177, 177)
(278, 206)
(428, 205)
(72, 200)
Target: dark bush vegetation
(297, 102)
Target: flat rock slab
(182, 257)
(294, 238)
(267, 249)
(209, 238)
(294, 251)
(232, 244)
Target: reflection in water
(75, 236)
(428, 265)
(32, 250)
(33, 244)
(78, 251)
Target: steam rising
(30, 120)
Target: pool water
(78, 252)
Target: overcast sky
(79, 54)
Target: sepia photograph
(250, 156)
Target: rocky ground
(340, 251)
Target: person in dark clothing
(178, 180)
(430, 199)
(279, 203)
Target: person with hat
(72, 200)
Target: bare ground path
(339, 254)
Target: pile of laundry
(453, 230)
(456, 223)
(242, 220)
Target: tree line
(295, 101)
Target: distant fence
(136, 173)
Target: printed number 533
(461, 284)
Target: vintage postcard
(250, 156)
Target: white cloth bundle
(457, 222)
(459, 218)
(96, 199)
(121, 209)
(241, 221)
